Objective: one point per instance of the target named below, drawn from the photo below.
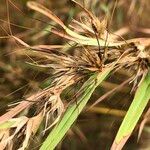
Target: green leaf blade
(73, 111)
(134, 113)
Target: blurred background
(96, 127)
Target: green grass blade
(134, 113)
(73, 111)
(6, 125)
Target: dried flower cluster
(95, 50)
